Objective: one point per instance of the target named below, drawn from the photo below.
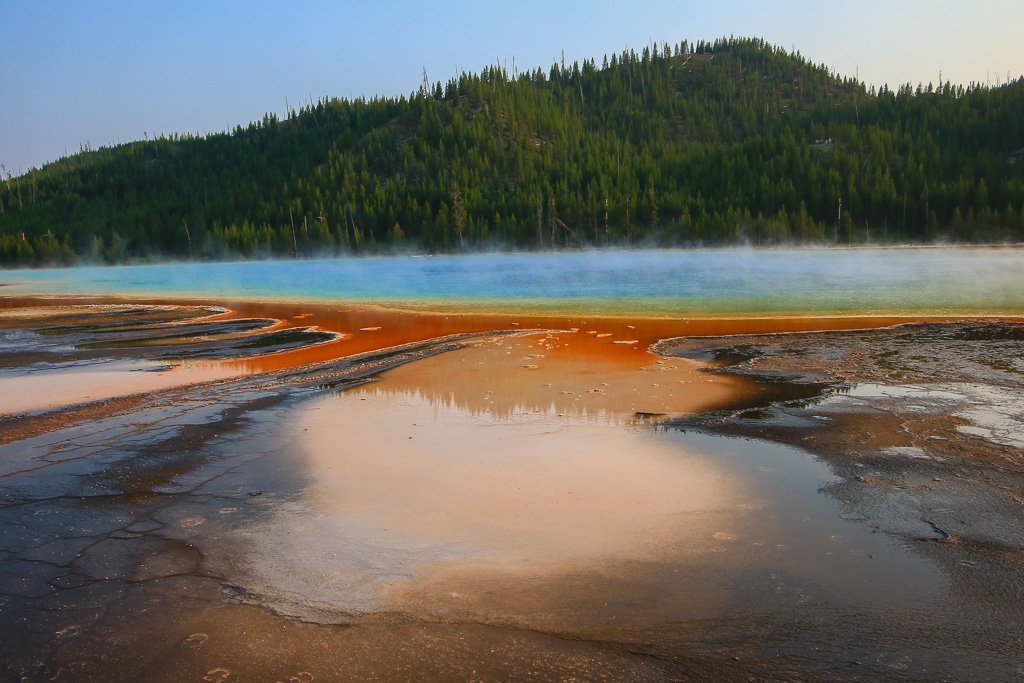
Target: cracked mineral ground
(208, 493)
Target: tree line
(710, 143)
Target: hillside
(705, 144)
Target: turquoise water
(661, 282)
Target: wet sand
(420, 497)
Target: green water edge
(670, 308)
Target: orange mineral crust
(369, 329)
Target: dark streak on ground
(156, 332)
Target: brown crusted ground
(19, 427)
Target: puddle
(30, 390)
(915, 452)
(995, 412)
(463, 486)
(869, 390)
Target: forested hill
(702, 144)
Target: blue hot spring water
(662, 282)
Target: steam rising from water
(729, 281)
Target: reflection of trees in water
(587, 378)
(498, 406)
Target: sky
(75, 72)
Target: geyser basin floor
(162, 538)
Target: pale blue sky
(102, 72)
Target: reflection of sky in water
(540, 516)
(994, 412)
(975, 280)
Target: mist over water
(949, 280)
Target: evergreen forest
(717, 143)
